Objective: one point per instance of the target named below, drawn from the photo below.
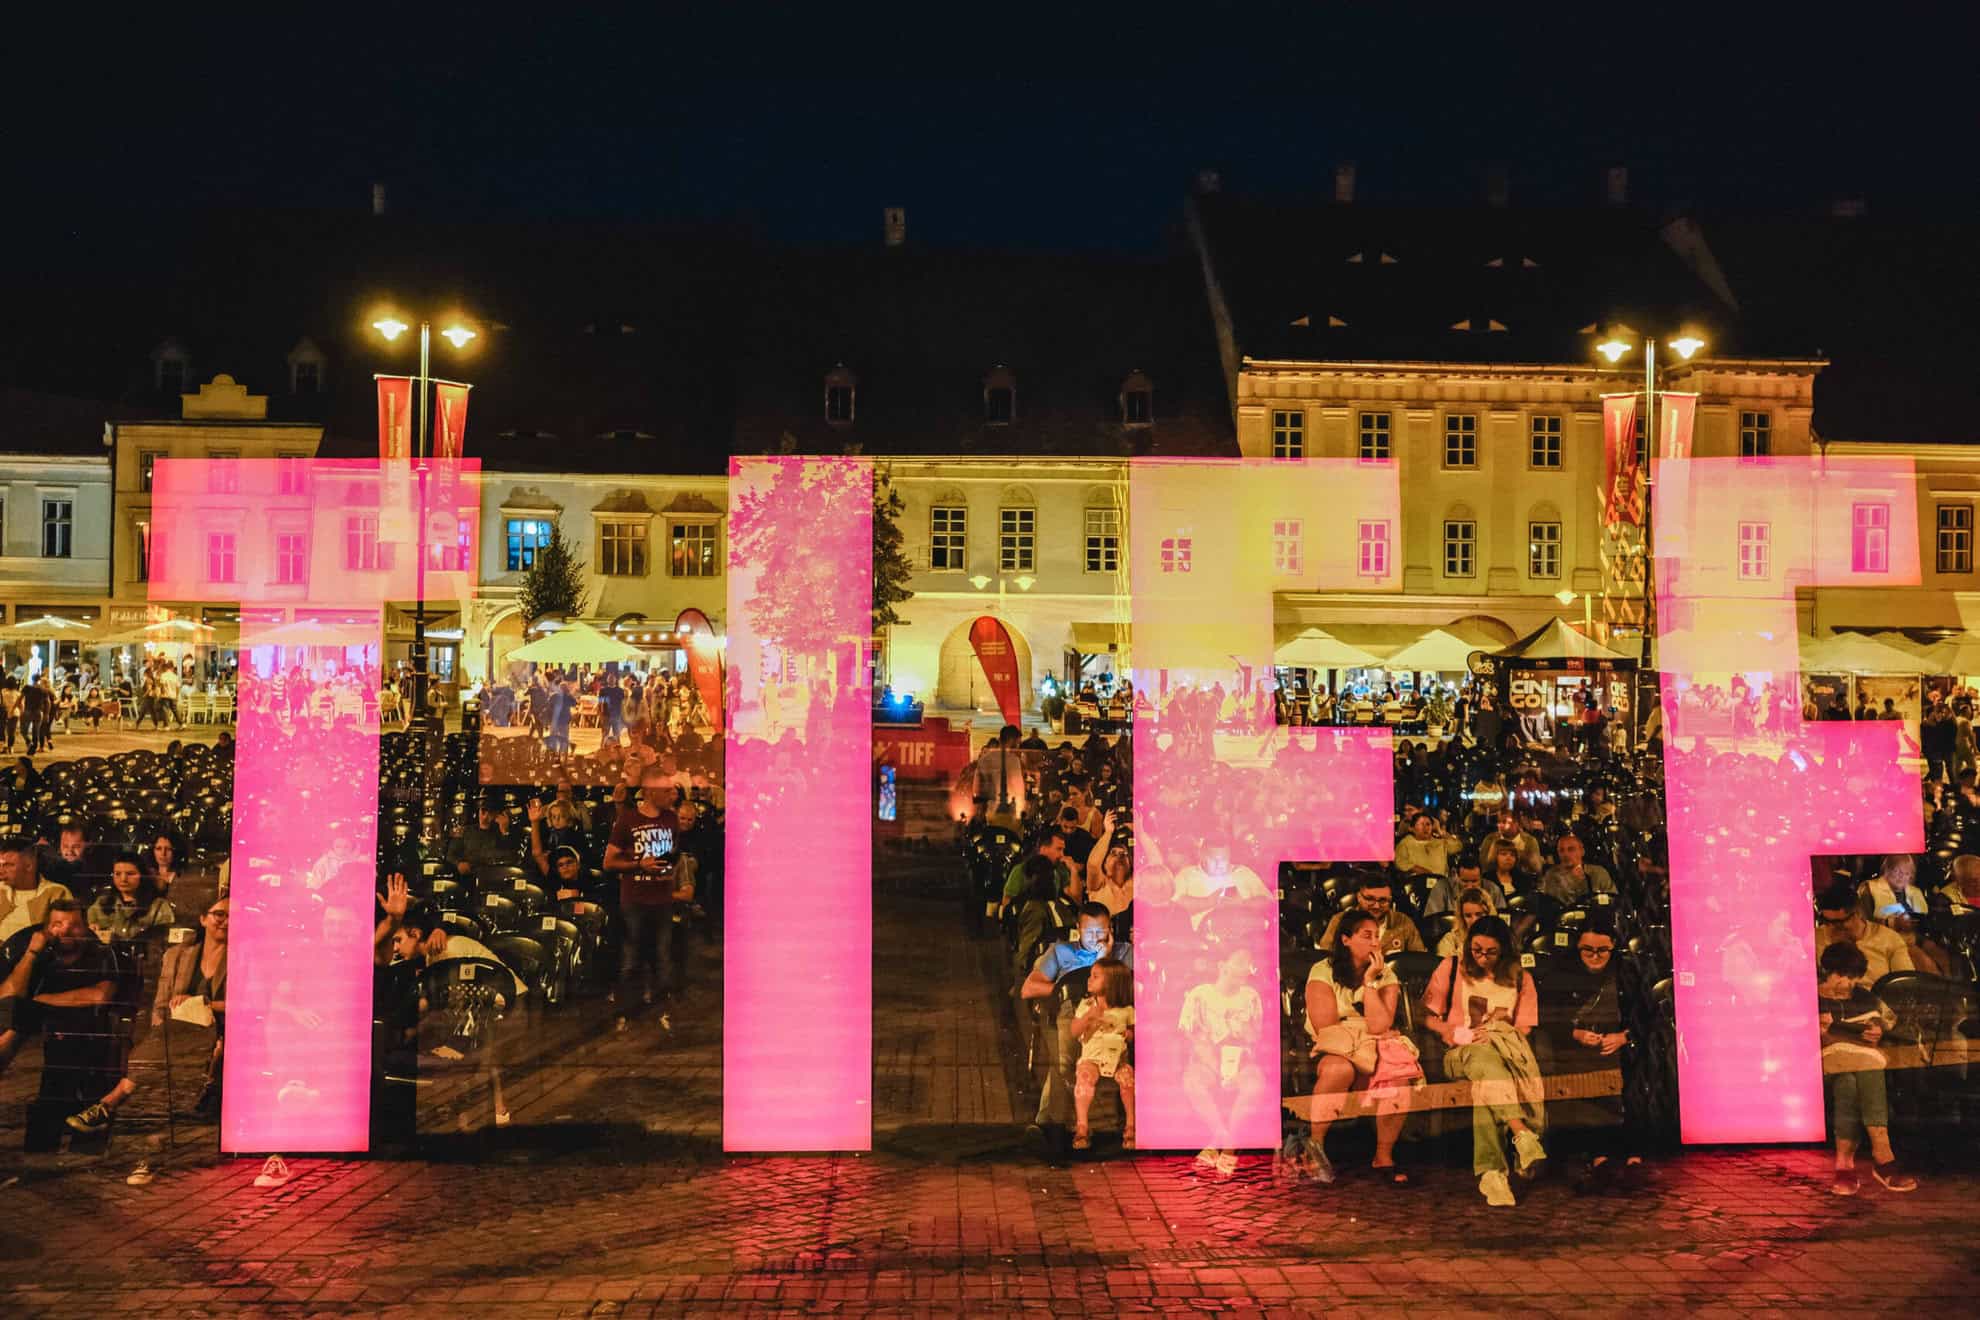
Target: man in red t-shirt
(643, 853)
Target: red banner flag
(697, 635)
(1674, 425)
(999, 660)
(1619, 454)
(394, 416)
(449, 418)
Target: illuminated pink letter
(1752, 791)
(797, 1052)
(1211, 540)
(332, 541)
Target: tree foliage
(554, 582)
(891, 569)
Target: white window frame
(1372, 547)
(1544, 451)
(59, 530)
(1375, 437)
(1017, 539)
(948, 538)
(1756, 434)
(1955, 538)
(1756, 551)
(622, 547)
(223, 473)
(1460, 440)
(222, 557)
(1870, 537)
(519, 547)
(1289, 546)
(1461, 547)
(1103, 538)
(832, 389)
(291, 474)
(147, 467)
(1288, 433)
(1543, 548)
(291, 560)
(363, 552)
(1178, 554)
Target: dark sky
(1059, 126)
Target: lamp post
(1566, 596)
(458, 335)
(1613, 349)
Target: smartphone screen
(887, 801)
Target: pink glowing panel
(1752, 791)
(1211, 541)
(797, 1053)
(311, 549)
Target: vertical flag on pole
(394, 417)
(450, 400)
(1619, 454)
(1674, 424)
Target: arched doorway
(960, 683)
(504, 635)
(1482, 627)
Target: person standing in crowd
(644, 854)
(10, 710)
(1483, 1006)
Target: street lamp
(391, 327)
(1613, 349)
(1566, 596)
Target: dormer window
(840, 385)
(1137, 400)
(1000, 397)
(305, 368)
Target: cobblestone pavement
(610, 1196)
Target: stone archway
(960, 683)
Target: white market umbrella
(1853, 653)
(1436, 651)
(169, 630)
(42, 629)
(1315, 649)
(1954, 655)
(576, 644)
(315, 632)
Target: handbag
(1397, 1062)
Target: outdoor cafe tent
(42, 629)
(315, 632)
(577, 644)
(1556, 641)
(1437, 651)
(1315, 649)
(1854, 653)
(1955, 655)
(172, 630)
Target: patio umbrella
(1436, 651)
(316, 632)
(1954, 655)
(42, 629)
(576, 644)
(1315, 649)
(1853, 653)
(172, 630)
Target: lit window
(1176, 553)
(219, 556)
(948, 538)
(1103, 540)
(1374, 437)
(292, 474)
(526, 536)
(1546, 447)
(1288, 434)
(1461, 440)
(291, 558)
(1288, 545)
(1460, 547)
(362, 551)
(1955, 538)
(1755, 551)
(1017, 540)
(57, 528)
(145, 546)
(693, 548)
(1870, 538)
(1543, 549)
(999, 398)
(622, 548)
(306, 376)
(1756, 434)
(1372, 544)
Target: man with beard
(64, 985)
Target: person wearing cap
(484, 843)
(24, 895)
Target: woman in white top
(1223, 1020)
(1351, 999)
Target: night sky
(993, 126)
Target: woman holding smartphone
(1482, 1004)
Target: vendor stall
(1547, 678)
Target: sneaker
(274, 1172)
(1227, 1163)
(1207, 1157)
(1531, 1154)
(93, 1119)
(140, 1176)
(1847, 1183)
(1495, 1188)
(1888, 1176)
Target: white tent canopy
(576, 644)
(42, 628)
(1555, 641)
(1315, 649)
(1854, 653)
(1436, 651)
